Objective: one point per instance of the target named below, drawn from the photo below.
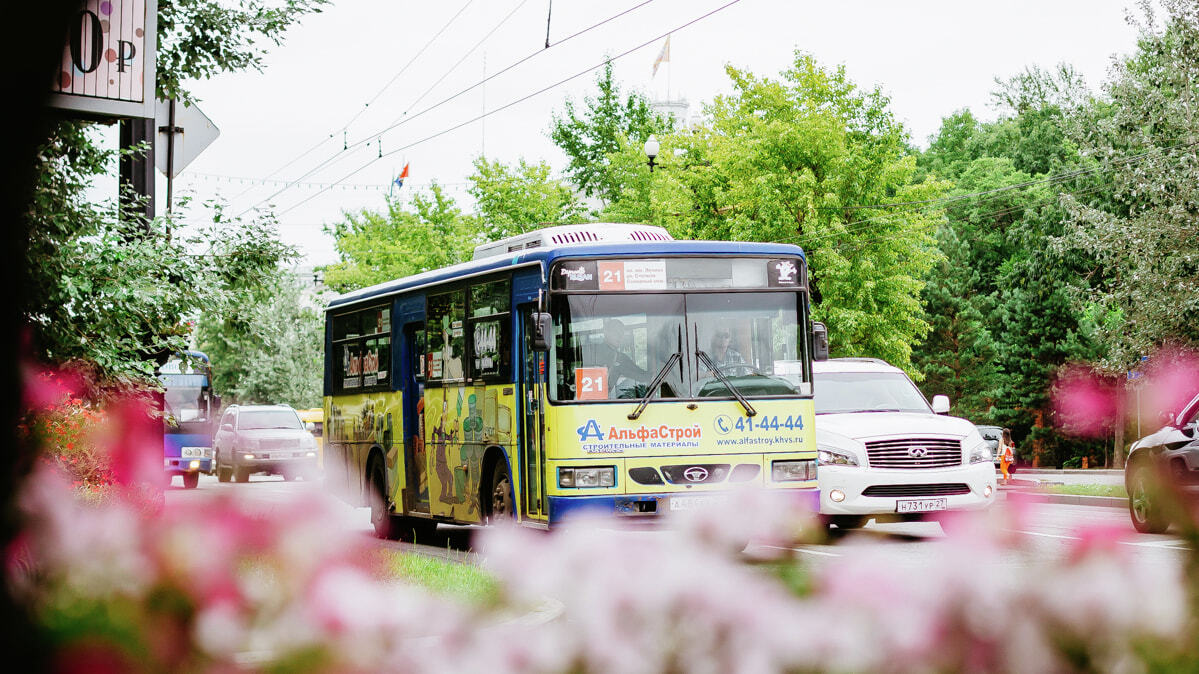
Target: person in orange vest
(1007, 455)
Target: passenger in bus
(611, 353)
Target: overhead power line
(405, 119)
(374, 98)
(521, 99)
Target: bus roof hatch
(566, 235)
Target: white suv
(885, 453)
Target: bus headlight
(603, 476)
(194, 465)
(793, 471)
(831, 457)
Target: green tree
(801, 160)
(198, 39)
(591, 136)
(520, 198)
(1006, 301)
(268, 350)
(1143, 238)
(118, 294)
(377, 247)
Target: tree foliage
(198, 39)
(591, 136)
(514, 199)
(269, 349)
(1143, 238)
(376, 247)
(800, 160)
(118, 293)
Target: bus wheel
(381, 518)
(501, 494)
(191, 480)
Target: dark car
(263, 439)
(1165, 461)
(991, 434)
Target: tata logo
(917, 452)
(590, 430)
(696, 474)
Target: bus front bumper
(644, 507)
(181, 465)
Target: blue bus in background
(189, 413)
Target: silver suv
(263, 439)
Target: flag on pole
(663, 55)
(403, 174)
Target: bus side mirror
(216, 405)
(819, 341)
(542, 328)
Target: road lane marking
(810, 552)
(1166, 545)
(1039, 533)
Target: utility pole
(137, 170)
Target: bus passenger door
(532, 436)
(413, 383)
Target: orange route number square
(611, 275)
(591, 383)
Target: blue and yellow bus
(189, 412)
(600, 367)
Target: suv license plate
(920, 506)
(694, 502)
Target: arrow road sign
(192, 132)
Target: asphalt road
(1049, 531)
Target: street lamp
(651, 151)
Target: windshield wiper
(670, 362)
(749, 410)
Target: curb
(1071, 499)
(1071, 471)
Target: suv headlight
(981, 453)
(793, 471)
(831, 457)
(603, 476)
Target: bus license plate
(920, 506)
(696, 502)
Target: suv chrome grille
(914, 453)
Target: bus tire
(191, 480)
(501, 502)
(382, 520)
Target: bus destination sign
(649, 274)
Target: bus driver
(611, 354)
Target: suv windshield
(613, 346)
(258, 420)
(839, 392)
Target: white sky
(930, 57)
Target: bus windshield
(613, 346)
(845, 392)
(184, 396)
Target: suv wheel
(1143, 502)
